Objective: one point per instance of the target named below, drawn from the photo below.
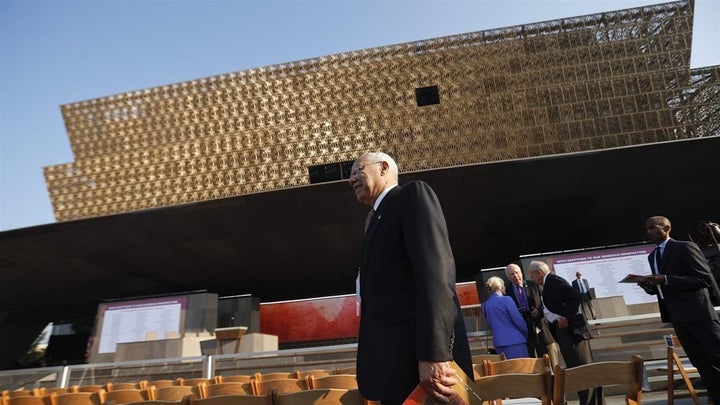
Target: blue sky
(55, 52)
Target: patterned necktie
(521, 297)
(369, 218)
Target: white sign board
(131, 321)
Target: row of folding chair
(144, 384)
(549, 388)
(258, 386)
(331, 396)
(43, 391)
(118, 396)
(277, 375)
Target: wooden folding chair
(225, 388)
(35, 392)
(478, 362)
(163, 383)
(340, 381)
(480, 358)
(123, 396)
(57, 390)
(282, 386)
(598, 375)
(233, 378)
(173, 392)
(315, 373)
(87, 388)
(518, 365)
(274, 376)
(194, 381)
(25, 400)
(675, 366)
(345, 370)
(113, 386)
(495, 388)
(330, 396)
(77, 398)
(157, 402)
(232, 400)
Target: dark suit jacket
(585, 296)
(686, 295)
(409, 309)
(563, 299)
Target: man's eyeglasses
(359, 168)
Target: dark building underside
(304, 242)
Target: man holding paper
(682, 282)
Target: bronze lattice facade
(585, 83)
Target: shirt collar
(662, 244)
(381, 196)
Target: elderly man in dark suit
(410, 319)
(562, 310)
(526, 295)
(683, 282)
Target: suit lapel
(666, 255)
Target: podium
(233, 333)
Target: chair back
(193, 381)
(77, 398)
(113, 386)
(25, 400)
(232, 400)
(87, 388)
(282, 386)
(345, 370)
(273, 376)
(163, 383)
(330, 396)
(478, 371)
(173, 392)
(225, 388)
(516, 385)
(518, 365)
(156, 402)
(57, 390)
(316, 373)
(480, 358)
(341, 381)
(601, 374)
(35, 392)
(233, 378)
(123, 396)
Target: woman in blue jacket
(509, 330)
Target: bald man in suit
(684, 285)
(410, 319)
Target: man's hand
(437, 378)
(563, 323)
(650, 283)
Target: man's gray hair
(537, 265)
(384, 157)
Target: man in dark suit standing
(682, 282)
(562, 310)
(583, 288)
(410, 319)
(526, 295)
